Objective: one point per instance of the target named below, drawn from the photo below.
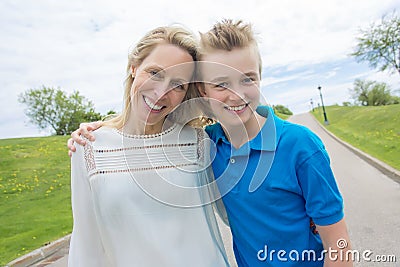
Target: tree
(50, 107)
(379, 95)
(346, 104)
(282, 109)
(371, 93)
(360, 91)
(379, 44)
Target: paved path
(372, 202)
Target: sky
(83, 45)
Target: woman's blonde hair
(175, 35)
(227, 35)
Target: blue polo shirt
(275, 187)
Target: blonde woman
(136, 190)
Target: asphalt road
(372, 200)
(372, 203)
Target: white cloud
(82, 45)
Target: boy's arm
(85, 129)
(336, 241)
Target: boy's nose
(236, 93)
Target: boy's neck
(243, 133)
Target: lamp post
(312, 105)
(326, 122)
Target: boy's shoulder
(214, 131)
(300, 135)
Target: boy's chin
(231, 122)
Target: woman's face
(160, 83)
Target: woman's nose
(161, 89)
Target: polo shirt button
(232, 160)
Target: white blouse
(137, 201)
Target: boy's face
(231, 82)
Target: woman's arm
(86, 247)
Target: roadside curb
(40, 253)
(381, 166)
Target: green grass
(35, 206)
(282, 116)
(374, 130)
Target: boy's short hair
(227, 35)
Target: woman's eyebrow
(181, 80)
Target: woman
(135, 195)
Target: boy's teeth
(151, 105)
(237, 108)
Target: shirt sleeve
(324, 203)
(213, 191)
(86, 248)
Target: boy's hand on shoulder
(85, 129)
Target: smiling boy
(283, 204)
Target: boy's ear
(201, 89)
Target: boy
(284, 199)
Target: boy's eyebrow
(219, 79)
(224, 78)
(251, 73)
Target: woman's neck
(136, 127)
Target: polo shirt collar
(267, 138)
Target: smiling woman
(159, 85)
(135, 195)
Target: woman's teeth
(152, 105)
(236, 108)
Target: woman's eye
(177, 85)
(155, 75)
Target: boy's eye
(248, 80)
(222, 85)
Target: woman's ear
(133, 71)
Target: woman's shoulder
(106, 136)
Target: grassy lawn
(35, 191)
(282, 116)
(374, 130)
